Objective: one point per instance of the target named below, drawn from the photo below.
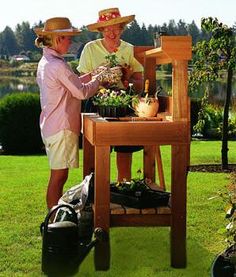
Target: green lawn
(136, 252)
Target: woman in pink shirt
(61, 92)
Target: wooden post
(160, 168)
(181, 101)
(180, 90)
(150, 73)
(102, 205)
(102, 187)
(178, 205)
(88, 157)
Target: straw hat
(109, 17)
(58, 26)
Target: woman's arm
(137, 79)
(133, 77)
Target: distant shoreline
(25, 69)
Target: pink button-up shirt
(61, 92)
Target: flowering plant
(112, 97)
(228, 257)
(112, 59)
(113, 75)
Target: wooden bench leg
(178, 205)
(160, 168)
(102, 205)
(88, 157)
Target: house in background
(19, 58)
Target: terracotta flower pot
(147, 107)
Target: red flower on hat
(109, 16)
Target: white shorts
(62, 150)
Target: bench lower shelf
(123, 216)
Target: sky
(85, 12)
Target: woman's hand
(99, 69)
(99, 73)
(127, 72)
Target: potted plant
(146, 105)
(138, 193)
(112, 102)
(225, 263)
(114, 72)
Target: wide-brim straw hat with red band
(109, 17)
(60, 26)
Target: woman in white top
(111, 24)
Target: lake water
(28, 84)
(19, 84)
(217, 91)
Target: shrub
(19, 124)
(210, 124)
(4, 63)
(73, 65)
(195, 108)
(213, 119)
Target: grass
(136, 252)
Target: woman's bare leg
(124, 164)
(55, 186)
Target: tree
(146, 38)
(211, 57)
(182, 28)
(194, 32)
(132, 34)
(172, 27)
(8, 43)
(25, 37)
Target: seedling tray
(140, 199)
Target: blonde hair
(46, 41)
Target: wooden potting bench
(171, 127)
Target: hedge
(19, 124)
